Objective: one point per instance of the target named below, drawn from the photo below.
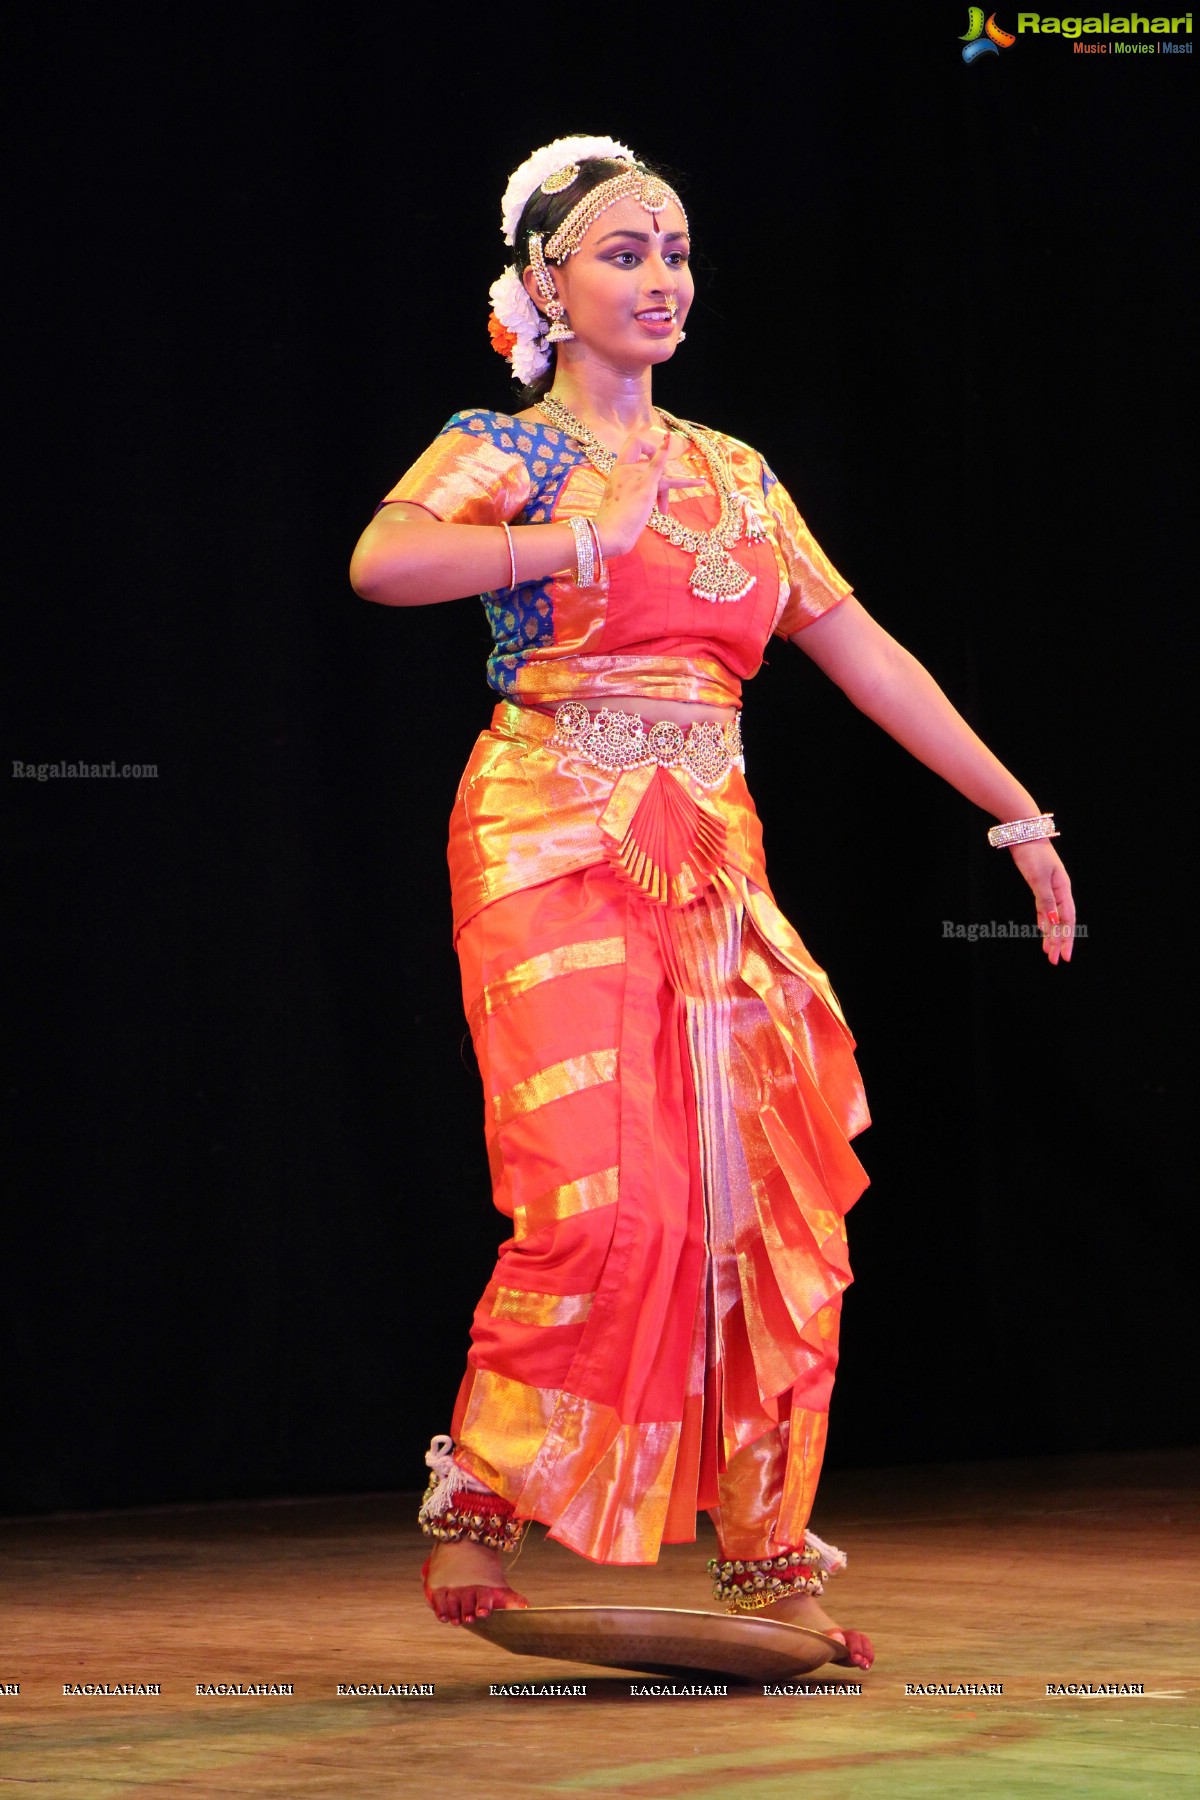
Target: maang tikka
(651, 192)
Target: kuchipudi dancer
(670, 1088)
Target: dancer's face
(628, 287)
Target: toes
(468, 1603)
(859, 1653)
(492, 1599)
(489, 1600)
(501, 1599)
(453, 1606)
(464, 1605)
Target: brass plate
(660, 1640)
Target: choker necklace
(716, 576)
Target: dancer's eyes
(628, 259)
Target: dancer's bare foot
(465, 1581)
(806, 1610)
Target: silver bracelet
(512, 555)
(585, 556)
(1022, 831)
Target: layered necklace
(716, 575)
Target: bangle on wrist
(591, 525)
(512, 555)
(1022, 831)
(585, 555)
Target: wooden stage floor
(1030, 1575)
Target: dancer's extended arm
(885, 681)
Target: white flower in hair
(517, 313)
(547, 161)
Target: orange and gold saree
(669, 1084)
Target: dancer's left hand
(1042, 867)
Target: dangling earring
(560, 332)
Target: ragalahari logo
(982, 39)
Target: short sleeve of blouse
(472, 474)
(816, 586)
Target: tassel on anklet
(446, 1479)
(830, 1560)
(456, 1506)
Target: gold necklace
(716, 575)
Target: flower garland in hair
(548, 161)
(515, 326)
(517, 329)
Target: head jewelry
(554, 169)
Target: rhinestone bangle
(1022, 831)
(585, 555)
(591, 524)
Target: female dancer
(669, 1083)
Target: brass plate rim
(657, 1638)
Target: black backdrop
(947, 302)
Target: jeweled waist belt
(615, 741)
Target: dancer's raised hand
(637, 483)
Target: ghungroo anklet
(750, 1583)
(481, 1519)
(456, 1506)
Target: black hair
(544, 213)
